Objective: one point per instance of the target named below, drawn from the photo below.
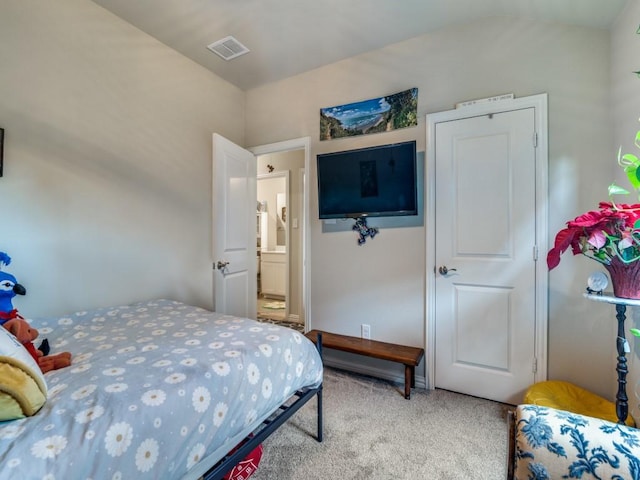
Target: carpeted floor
(372, 433)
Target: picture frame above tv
(379, 181)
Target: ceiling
(288, 37)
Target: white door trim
(302, 143)
(539, 103)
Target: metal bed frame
(270, 425)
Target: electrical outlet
(366, 331)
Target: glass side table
(622, 401)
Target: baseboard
(294, 318)
(382, 373)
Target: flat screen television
(371, 182)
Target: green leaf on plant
(631, 166)
(627, 159)
(617, 190)
(633, 162)
(631, 158)
(635, 332)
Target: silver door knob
(221, 265)
(444, 270)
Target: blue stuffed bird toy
(9, 288)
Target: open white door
(234, 229)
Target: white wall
(382, 283)
(625, 100)
(106, 193)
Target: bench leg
(408, 381)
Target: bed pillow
(23, 390)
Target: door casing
(302, 143)
(539, 103)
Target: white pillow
(23, 390)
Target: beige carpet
(372, 433)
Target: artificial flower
(609, 234)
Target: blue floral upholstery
(554, 444)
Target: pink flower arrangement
(611, 232)
(610, 235)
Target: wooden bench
(408, 356)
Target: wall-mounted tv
(374, 182)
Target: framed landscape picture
(377, 115)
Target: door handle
(222, 265)
(443, 270)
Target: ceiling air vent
(228, 48)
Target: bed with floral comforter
(158, 389)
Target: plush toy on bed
(19, 327)
(9, 288)
(26, 334)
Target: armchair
(546, 443)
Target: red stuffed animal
(26, 334)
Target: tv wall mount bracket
(363, 230)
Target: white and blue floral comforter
(153, 389)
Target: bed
(160, 389)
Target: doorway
(273, 243)
(486, 331)
(283, 272)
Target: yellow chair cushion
(567, 396)
(23, 390)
